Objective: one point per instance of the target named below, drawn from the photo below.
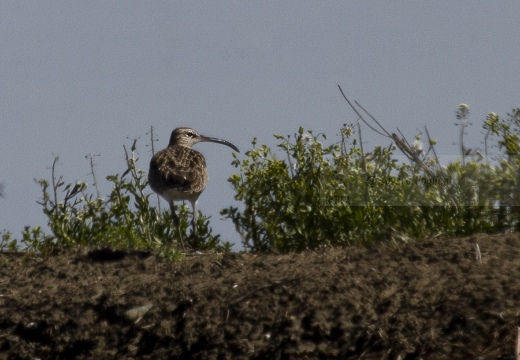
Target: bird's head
(187, 137)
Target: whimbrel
(179, 172)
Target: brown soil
(432, 300)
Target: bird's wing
(182, 169)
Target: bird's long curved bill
(219, 141)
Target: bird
(179, 173)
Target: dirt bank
(431, 300)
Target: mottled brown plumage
(179, 172)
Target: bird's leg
(177, 223)
(194, 217)
(194, 224)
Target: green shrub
(125, 219)
(340, 195)
(311, 196)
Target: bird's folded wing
(182, 170)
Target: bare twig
(403, 145)
(433, 149)
(152, 141)
(276, 283)
(93, 173)
(359, 115)
(400, 142)
(373, 118)
(363, 164)
(478, 253)
(55, 184)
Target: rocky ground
(430, 300)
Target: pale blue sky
(81, 77)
